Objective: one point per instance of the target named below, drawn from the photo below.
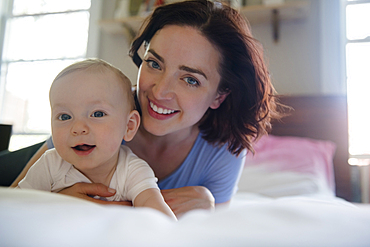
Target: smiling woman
(205, 95)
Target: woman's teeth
(160, 110)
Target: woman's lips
(83, 149)
(159, 112)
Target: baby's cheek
(112, 142)
(58, 140)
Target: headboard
(324, 118)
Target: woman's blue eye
(64, 117)
(153, 64)
(191, 81)
(98, 114)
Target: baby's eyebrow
(56, 105)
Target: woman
(204, 94)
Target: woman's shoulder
(205, 150)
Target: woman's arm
(34, 158)
(152, 198)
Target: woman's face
(178, 80)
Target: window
(358, 77)
(39, 39)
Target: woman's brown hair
(246, 113)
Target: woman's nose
(80, 128)
(164, 88)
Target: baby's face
(89, 115)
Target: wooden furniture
(325, 118)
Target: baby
(92, 111)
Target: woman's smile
(160, 113)
(160, 110)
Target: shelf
(129, 25)
(293, 10)
(256, 14)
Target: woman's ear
(132, 125)
(218, 100)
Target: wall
(307, 60)
(114, 48)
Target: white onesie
(51, 173)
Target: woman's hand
(182, 200)
(85, 190)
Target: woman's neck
(164, 154)
(169, 140)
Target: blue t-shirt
(206, 165)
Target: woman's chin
(155, 130)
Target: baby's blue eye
(98, 114)
(64, 117)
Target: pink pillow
(296, 154)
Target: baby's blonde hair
(99, 65)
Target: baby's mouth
(83, 147)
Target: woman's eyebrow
(192, 70)
(156, 55)
(182, 67)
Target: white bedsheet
(35, 218)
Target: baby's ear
(132, 125)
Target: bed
(294, 192)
